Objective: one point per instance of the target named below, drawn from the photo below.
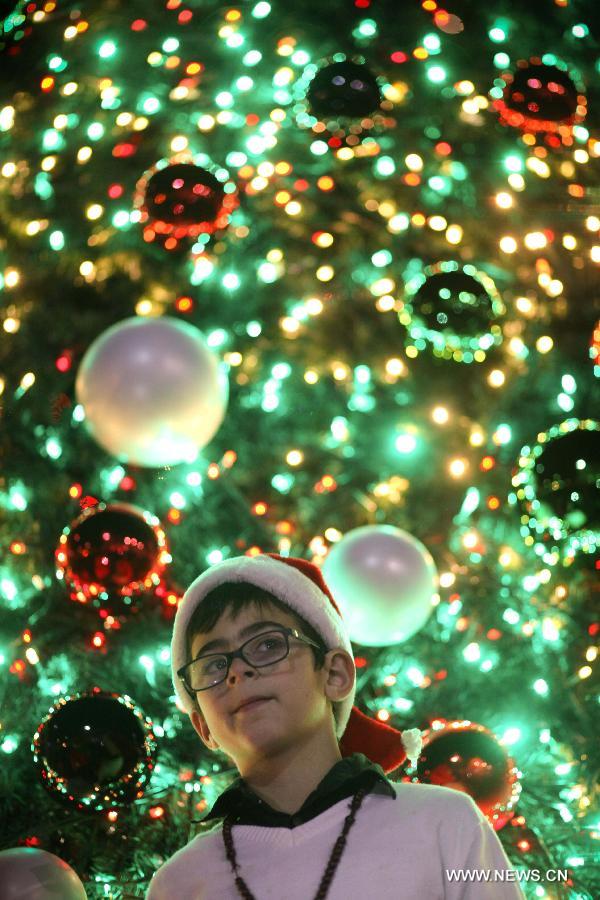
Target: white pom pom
(411, 739)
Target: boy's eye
(216, 664)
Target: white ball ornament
(152, 390)
(385, 583)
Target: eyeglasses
(262, 650)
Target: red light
(156, 812)
(398, 56)
(138, 25)
(115, 190)
(252, 119)
(98, 640)
(360, 662)
(63, 363)
(120, 150)
(47, 83)
(185, 16)
(443, 148)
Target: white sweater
(397, 849)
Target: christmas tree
(272, 273)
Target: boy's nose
(238, 668)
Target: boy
(263, 665)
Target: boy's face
(298, 694)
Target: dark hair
(235, 596)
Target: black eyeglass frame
(239, 653)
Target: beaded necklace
(330, 869)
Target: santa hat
(300, 585)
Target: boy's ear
(202, 730)
(341, 674)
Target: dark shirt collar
(344, 778)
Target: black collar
(343, 779)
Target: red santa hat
(301, 586)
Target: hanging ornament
(184, 197)
(28, 872)
(540, 95)
(469, 758)
(557, 488)
(153, 392)
(111, 554)
(384, 581)
(454, 309)
(95, 750)
(342, 101)
(595, 349)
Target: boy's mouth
(251, 703)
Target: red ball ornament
(469, 758)
(111, 554)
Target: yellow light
(457, 467)
(340, 371)
(447, 579)
(310, 376)
(325, 273)
(385, 303)
(544, 344)
(465, 87)
(94, 211)
(414, 162)
(294, 457)
(516, 181)
(293, 208)
(32, 228)
(535, 240)
(504, 200)
(454, 234)
(470, 540)
(508, 244)
(234, 358)
(12, 277)
(591, 653)
(31, 656)
(538, 166)
(440, 415)
(382, 286)
(48, 163)
(387, 209)
(496, 378)
(266, 169)
(11, 325)
(476, 438)
(437, 223)
(580, 155)
(206, 122)
(179, 143)
(124, 119)
(70, 88)
(259, 183)
(569, 241)
(345, 153)
(87, 268)
(83, 154)
(516, 346)
(313, 306)
(324, 239)
(595, 253)
(143, 307)
(9, 169)
(290, 325)
(555, 288)
(395, 366)
(585, 672)
(275, 255)
(524, 305)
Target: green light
(255, 145)
(235, 40)
(107, 49)
(236, 159)
(177, 500)
(216, 338)
(224, 99)
(431, 42)
(231, 281)
(399, 222)
(281, 370)
(170, 45)
(497, 35)
(282, 483)
(244, 83)
(9, 744)
(501, 60)
(549, 630)
(261, 10)
(270, 402)
(406, 443)
(267, 272)
(53, 448)
(511, 616)
(439, 184)
(545, 736)
(503, 434)
(78, 413)
(415, 675)
(575, 861)
(362, 374)
(471, 502)
(541, 687)
(120, 218)
(115, 476)
(214, 557)
(252, 57)
(146, 663)
(150, 105)
(511, 736)
(165, 655)
(568, 384)
(8, 588)
(565, 402)
(403, 704)
(367, 28)
(300, 58)
(513, 164)
(194, 479)
(254, 329)
(385, 165)
(437, 74)
(381, 258)
(57, 240)
(52, 139)
(95, 131)
(319, 148)
(580, 31)
(57, 64)
(472, 652)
